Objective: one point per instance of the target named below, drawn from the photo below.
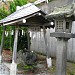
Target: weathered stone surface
(4, 70)
(29, 57)
(48, 8)
(61, 57)
(19, 56)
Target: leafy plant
(26, 67)
(3, 13)
(16, 3)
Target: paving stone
(4, 70)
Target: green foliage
(26, 67)
(3, 13)
(20, 66)
(23, 39)
(9, 40)
(8, 43)
(16, 3)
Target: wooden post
(45, 39)
(2, 43)
(48, 59)
(15, 45)
(13, 68)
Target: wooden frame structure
(34, 18)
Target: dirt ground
(51, 71)
(6, 56)
(41, 65)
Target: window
(59, 24)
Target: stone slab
(62, 35)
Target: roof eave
(13, 22)
(60, 15)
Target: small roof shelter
(29, 12)
(34, 17)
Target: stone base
(13, 68)
(49, 62)
(62, 35)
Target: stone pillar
(13, 68)
(61, 56)
(2, 43)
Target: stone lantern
(63, 25)
(63, 18)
